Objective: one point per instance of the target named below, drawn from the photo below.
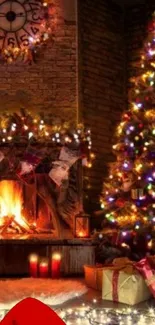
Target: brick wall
(51, 84)
(102, 85)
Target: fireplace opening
(22, 210)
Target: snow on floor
(51, 292)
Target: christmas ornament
(128, 181)
(137, 193)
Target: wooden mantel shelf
(16, 249)
(43, 239)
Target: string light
(131, 192)
(34, 130)
(90, 315)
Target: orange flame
(10, 199)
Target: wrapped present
(148, 272)
(124, 285)
(94, 274)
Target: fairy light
(30, 135)
(101, 316)
(26, 127)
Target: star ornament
(31, 311)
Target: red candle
(55, 265)
(43, 269)
(33, 265)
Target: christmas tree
(128, 196)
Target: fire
(10, 199)
(11, 205)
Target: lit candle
(43, 269)
(55, 265)
(33, 265)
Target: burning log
(24, 228)
(8, 221)
(31, 227)
(11, 225)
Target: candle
(55, 265)
(43, 269)
(33, 265)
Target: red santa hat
(31, 311)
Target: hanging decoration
(24, 27)
(33, 138)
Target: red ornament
(120, 203)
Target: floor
(102, 313)
(94, 298)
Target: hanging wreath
(24, 26)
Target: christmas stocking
(61, 167)
(29, 162)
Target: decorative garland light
(25, 129)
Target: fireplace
(39, 207)
(22, 210)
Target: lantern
(82, 225)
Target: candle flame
(33, 258)
(56, 256)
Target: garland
(27, 141)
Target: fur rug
(51, 292)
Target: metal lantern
(82, 225)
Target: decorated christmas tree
(128, 196)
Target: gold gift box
(131, 288)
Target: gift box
(93, 276)
(147, 269)
(120, 286)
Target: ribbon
(115, 286)
(124, 264)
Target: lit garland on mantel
(24, 129)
